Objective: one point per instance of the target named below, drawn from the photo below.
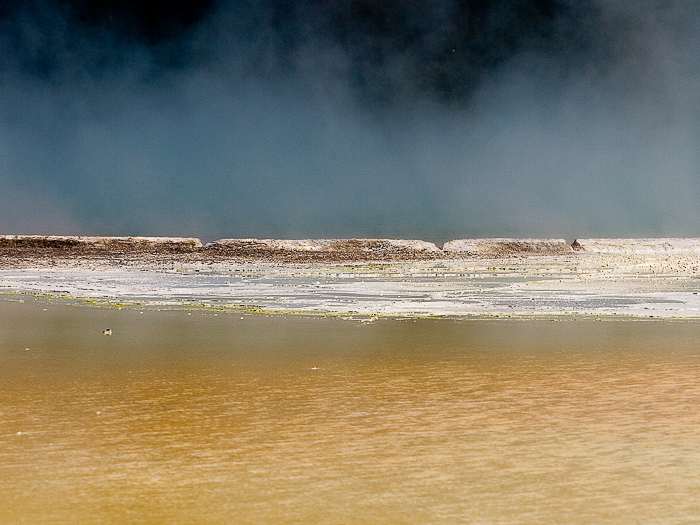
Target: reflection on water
(179, 418)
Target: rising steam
(439, 119)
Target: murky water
(198, 418)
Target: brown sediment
(18, 251)
(37, 250)
(54, 250)
(86, 243)
(32, 251)
(499, 247)
(324, 250)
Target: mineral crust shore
(27, 249)
(364, 277)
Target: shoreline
(25, 250)
(508, 278)
(39, 250)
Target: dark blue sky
(431, 120)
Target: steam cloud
(308, 118)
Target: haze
(432, 120)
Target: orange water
(179, 418)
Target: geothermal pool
(226, 417)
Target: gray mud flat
(364, 278)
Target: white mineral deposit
(364, 277)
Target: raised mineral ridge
(333, 249)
